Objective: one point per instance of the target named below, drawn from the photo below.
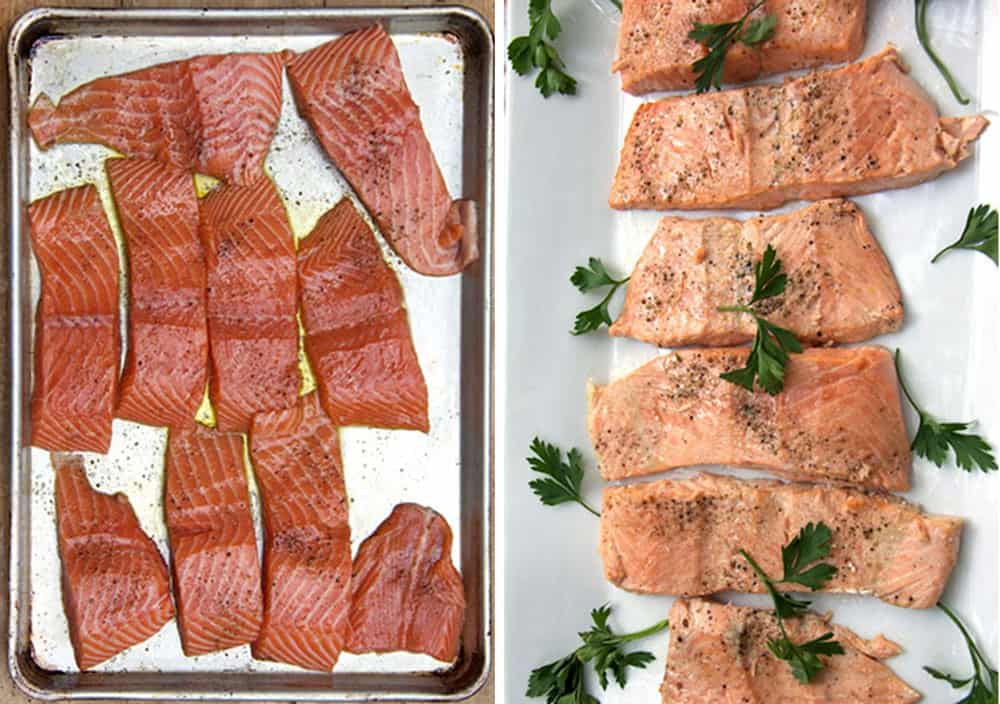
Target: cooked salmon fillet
(407, 593)
(353, 93)
(307, 540)
(862, 128)
(838, 418)
(683, 538)
(211, 114)
(212, 541)
(77, 348)
(654, 52)
(840, 287)
(115, 586)
(166, 365)
(252, 303)
(718, 655)
(357, 335)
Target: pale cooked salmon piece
(862, 128)
(683, 537)
(840, 286)
(838, 418)
(115, 585)
(718, 655)
(655, 53)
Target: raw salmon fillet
(862, 128)
(840, 287)
(77, 349)
(357, 333)
(837, 419)
(252, 332)
(407, 593)
(115, 586)
(166, 365)
(654, 52)
(353, 93)
(683, 538)
(211, 114)
(212, 541)
(307, 540)
(718, 655)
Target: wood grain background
(9, 11)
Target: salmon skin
(115, 586)
(166, 365)
(407, 594)
(353, 93)
(211, 114)
(840, 286)
(77, 347)
(862, 128)
(307, 539)
(718, 655)
(838, 419)
(252, 331)
(357, 336)
(655, 53)
(683, 538)
(212, 541)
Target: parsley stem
(644, 633)
(736, 309)
(902, 385)
(978, 661)
(925, 42)
(938, 255)
(587, 506)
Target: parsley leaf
(979, 234)
(588, 278)
(811, 544)
(934, 438)
(984, 680)
(719, 37)
(920, 12)
(534, 51)
(772, 344)
(563, 479)
(562, 681)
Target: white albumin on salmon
(718, 655)
(840, 286)
(683, 537)
(837, 419)
(862, 128)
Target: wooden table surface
(9, 11)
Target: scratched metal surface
(446, 469)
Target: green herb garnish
(920, 11)
(983, 679)
(811, 544)
(533, 50)
(771, 344)
(588, 278)
(979, 234)
(563, 479)
(718, 38)
(562, 681)
(934, 438)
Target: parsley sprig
(979, 234)
(920, 12)
(811, 544)
(588, 278)
(983, 679)
(562, 480)
(562, 681)
(718, 38)
(934, 438)
(771, 344)
(533, 50)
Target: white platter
(562, 153)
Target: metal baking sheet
(446, 54)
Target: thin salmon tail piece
(407, 593)
(217, 576)
(958, 134)
(116, 588)
(357, 335)
(718, 654)
(45, 126)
